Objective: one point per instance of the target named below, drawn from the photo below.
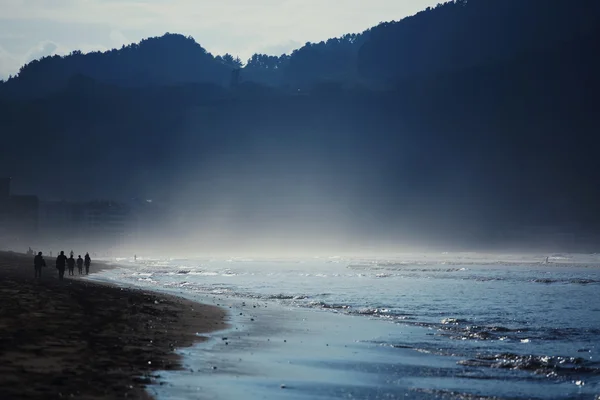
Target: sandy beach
(77, 339)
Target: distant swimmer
(61, 262)
(38, 264)
(71, 265)
(80, 265)
(87, 262)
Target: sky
(31, 29)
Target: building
(19, 215)
(76, 222)
(59, 219)
(106, 219)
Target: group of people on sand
(63, 263)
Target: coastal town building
(84, 220)
(18, 215)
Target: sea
(411, 326)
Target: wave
(462, 273)
(323, 305)
(286, 297)
(579, 281)
(551, 366)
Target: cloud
(118, 38)
(43, 49)
(8, 64)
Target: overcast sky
(31, 29)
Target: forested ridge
(479, 114)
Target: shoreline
(90, 340)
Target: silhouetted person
(71, 253)
(61, 262)
(71, 265)
(38, 264)
(30, 251)
(134, 257)
(50, 254)
(88, 262)
(80, 265)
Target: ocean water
(456, 326)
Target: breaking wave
(550, 366)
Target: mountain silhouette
(165, 60)
(465, 120)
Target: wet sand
(83, 340)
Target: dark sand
(82, 340)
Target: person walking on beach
(80, 265)
(71, 265)
(61, 261)
(72, 253)
(38, 264)
(88, 262)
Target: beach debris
(251, 319)
(284, 341)
(223, 338)
(214, 367)
(282, 386)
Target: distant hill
(158, 61)
(314, 63)
(468, 33)
(176, 59)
